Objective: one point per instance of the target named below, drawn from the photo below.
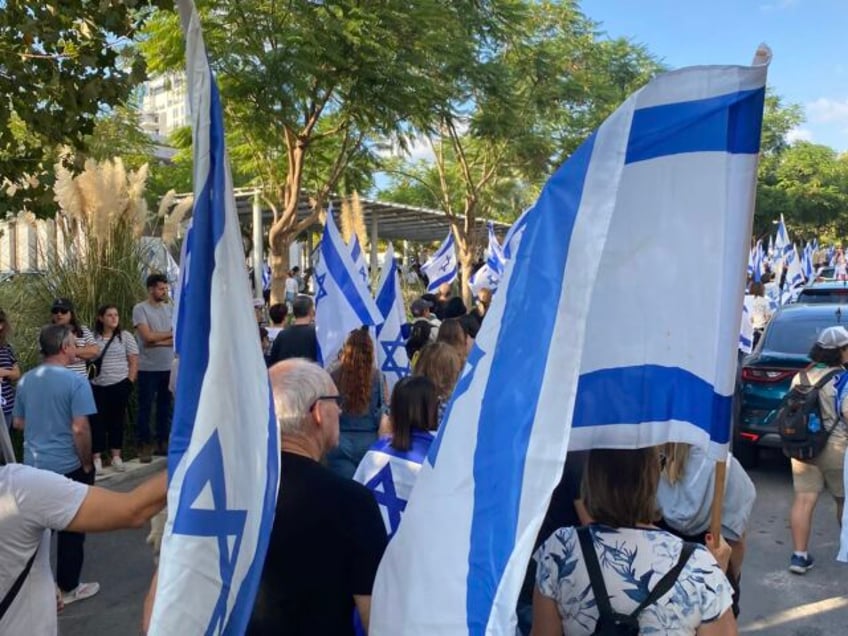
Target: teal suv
(767, 372)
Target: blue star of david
(491, 279)
(319, 280)
(207, 469)
(364, 274)
(474, 356)
(446, 265)
(387, 496)
(390, 365)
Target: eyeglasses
(57, 310)
(338, 399)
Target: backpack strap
(12, 594)
(596, 579)
(599, 588)
(667, 582)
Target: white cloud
(799, 134)
(825, 110)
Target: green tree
(309, 87)
(523, 105)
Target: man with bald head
(328, 534)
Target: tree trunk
(279, 268)
(465, 256)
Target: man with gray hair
(328, 534)
(52, 408)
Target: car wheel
(747, 454)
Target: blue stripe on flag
(207, 228)
(720, 124)
(507, 414)
(337, 269)
(746, 342)
(651, 393)
(386, 297)
(447, 278)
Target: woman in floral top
(619, 492)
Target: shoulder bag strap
(106, 348)
(17, 585)
(596, 578)
(667, 582)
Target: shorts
(826, 470)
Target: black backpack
(610, 622)
(799, 419)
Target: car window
(823, 296)
(794, 336)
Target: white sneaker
(80, 593)
(118, 464)
(98, 465)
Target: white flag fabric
(342, 300)
(441, 267)
(597, 344)
(220, 514)
(358, 259)
(489, 275)
(391, 346)
(782, 245)
(746, 329)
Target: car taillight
(764, 374)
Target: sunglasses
(338, 399)
(57, 310)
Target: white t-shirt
(32, 502)
(291, 285)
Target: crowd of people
(630, 526)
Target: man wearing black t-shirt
(299, 339)
(328, 535)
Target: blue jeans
(153, 385)
(344, 459)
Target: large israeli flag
(589, 343)
(391, 346)
(220, 514)
(342, 300)
(441, 267)
(782, 244)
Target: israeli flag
(794, 276)
(342, 300)
(391, 346)
(441, 267)
(391, 474)
(513, 235)
(220, 515)
(358, 259)
(782, 245)
(266, 277)
(677, 159)
(755, 263)
(807, 263)
(746, 329)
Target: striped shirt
(8, 359)
(115, 366)
(86, 339)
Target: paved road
(774, 602)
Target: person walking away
(363, 391)
(442, 363)
(62, 313)
(811, 476)
(292, 287)
(10, 372)
(278, 314)
(38, 501)
(298, 340)
(328, 537)
(390, 467)
(629, 556)
(153, 320)
(112, 386)
(52, 409)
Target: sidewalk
(111, 478)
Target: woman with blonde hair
(452, 332)
(364, 396)
(685, 496)
(442, 363)
(623, 564)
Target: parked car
(831, 291)
(768, 371)
(826, 272)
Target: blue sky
(809, 39)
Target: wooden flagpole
(718, 499)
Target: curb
(135, 469)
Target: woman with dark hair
(10, 372)
(811, 476)
(363, 391)
(397, 459)
(452, 332)
(118, 361)
(631, 556)
(441, 363)
(62, 313)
